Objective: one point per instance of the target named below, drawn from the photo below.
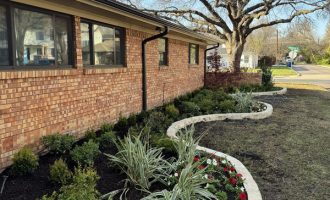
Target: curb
(250, 185)
(271, 93)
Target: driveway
(310, 74)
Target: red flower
(201, 167)
(196, 159)
(239, 175)
(232, 169)
(225, 169)
(242, 196)
(233, 181)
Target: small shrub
(131, 120)
(227, 106)
(86, 153)
(58, 143)
(164, 142)
(220, 95)
(189, 108)
(244, 102)
(142, 165)
(267, 76)
(106, 127)
(172, 112)
(158, 122)
(107, 139)
(90, 134)
(206, 105)
(24, 162)
(60, 173)
(121, 127)
(83, 186)
(142, 116)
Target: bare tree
(231, 20)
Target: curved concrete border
(270, 93)
(249, 183)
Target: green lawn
(278, 71)
(287, 153)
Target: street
(310, 74)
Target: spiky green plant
(244, 102)
(142, 165)
(191, 185)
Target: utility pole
(277, 50)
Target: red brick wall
(216, 80)
(35, 103)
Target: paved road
(310, 74)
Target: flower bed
(82, 168)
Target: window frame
(91, 43)
(196, 54)
(166, 57)
(11, 36)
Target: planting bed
(36, 184)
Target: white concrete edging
(270, 93)
(250, 185)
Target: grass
(288, 153)
(279, 71)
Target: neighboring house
(248, 59)
(66, 66)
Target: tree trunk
(234, 51)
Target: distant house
(248, 59)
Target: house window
(163, 51)
(4, 58)
(102, 45)
(40, 35)
(35, 34)
(193, 54)
(246, 58)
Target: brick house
(66, 66)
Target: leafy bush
(106, 127)
(172, 112)
(121, 127)
(158, 122)
(24, 162)
(189, 108)
(244, 102)
(206, 105)
(86, 153)
(90, 134)
(83, 186)
(142, 165)
(131, 120)
(220, 95)
(107, 139)
(267, 76)
(221, 195)
(164, 142)
(58, 143)
(59, 172)
(227, 106)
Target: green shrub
(107, 139)
(142, 165)
(244, 102)
(227, 106)
(221, 195)
(83, 187)
(86, 153)
(220, 95)
(172, 112)
(24, 162)
(90, 134)
(59, 172)
(158, 122)
(189, 108)
(131, 120)
(142, 116)
(267, 77)
(164, 142)
(121, 127)
(58, 143)
(206, 105)
(106, 127)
